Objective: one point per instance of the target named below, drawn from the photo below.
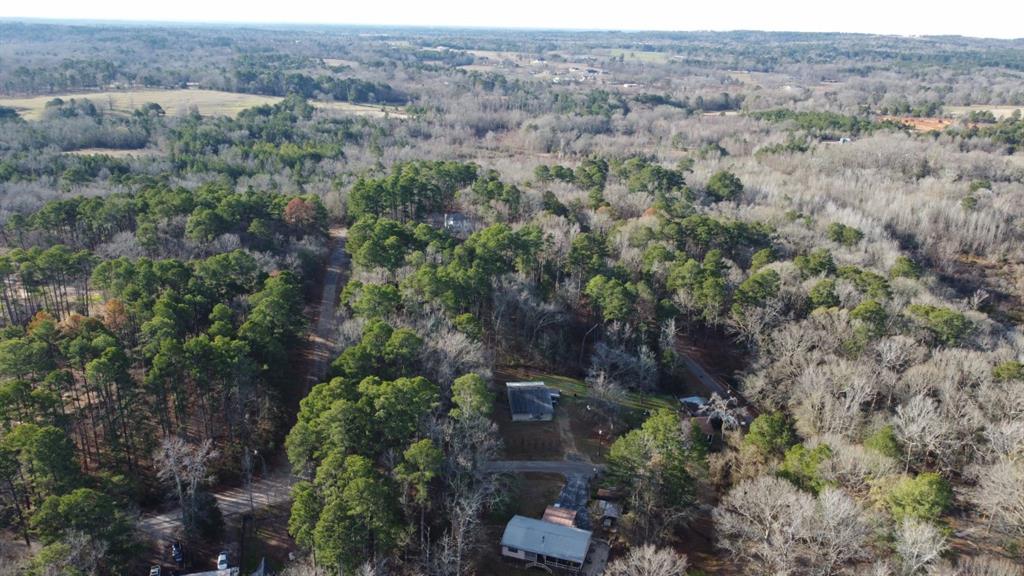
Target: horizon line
(455, 27)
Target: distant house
(529, 401)
(459, 224)
(539, 543)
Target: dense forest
(828, 225)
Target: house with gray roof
(537, 543)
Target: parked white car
(222, 561)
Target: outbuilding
(529, 401)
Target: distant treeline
(825, 124)
(255, 78)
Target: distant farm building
(530, 401)
(545, 544)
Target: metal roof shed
(529, 401)
(545, 541)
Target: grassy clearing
(178, 102)
(341, 62)
(640, 55)
(116, 152)
(999, 111)
(372, 110)
(575, 387)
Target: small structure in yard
(529, 402)
(558, 515)
(537, 543)
(610, 513)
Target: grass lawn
(525, 440)
(575, 387)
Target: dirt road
(710, 384)
(266, 492)
(325, 329)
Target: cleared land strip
(563, 467)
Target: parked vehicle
(155, 571)
(222, 561)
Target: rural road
(276, 487)
(563, 467)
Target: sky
(982, 18)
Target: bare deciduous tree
(649, 560)
(1000, 495)
(186, 465)
(763, 521)
(919, 544)
(840, 533)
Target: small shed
(537, 542)
(558, 515)
(529, 401)
(610, 513)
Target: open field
(174, 102)
(371, 110)
(178, 102)
(999, 111)
(649, 56)
(340, 62)
(921, 124)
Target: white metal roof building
(545, 543)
